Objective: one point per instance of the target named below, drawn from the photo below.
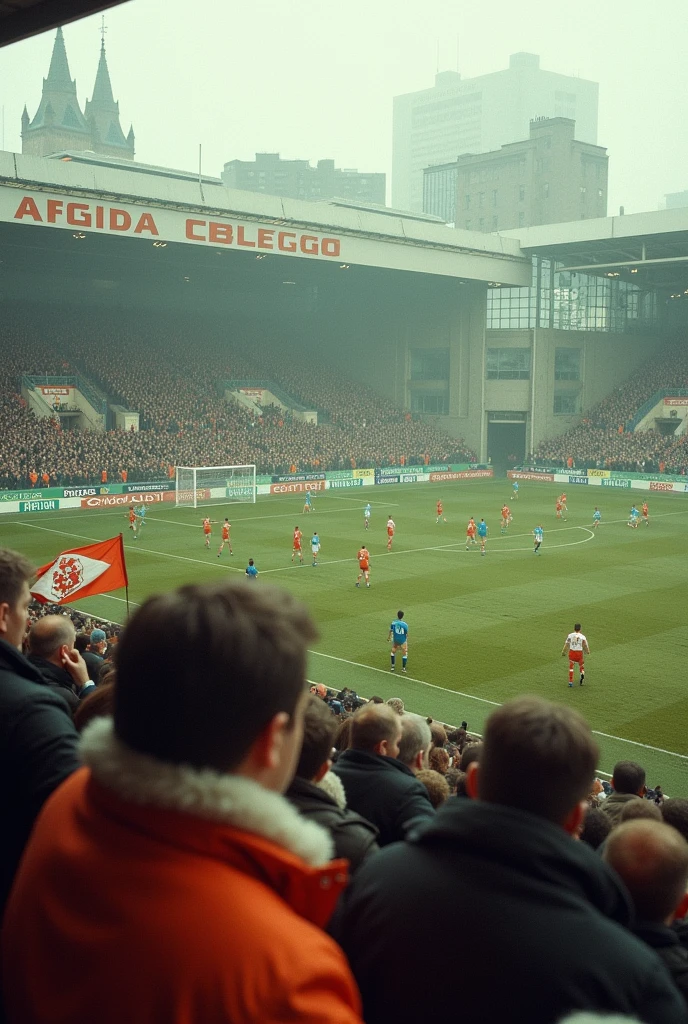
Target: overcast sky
(315, 79)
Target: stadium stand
(605, 438)
(161, 370)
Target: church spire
(58, 123)
(58, 75)
(102, 112)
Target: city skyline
(271, 79)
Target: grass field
(482, 630)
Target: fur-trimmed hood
(228, 800)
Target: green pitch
(482, 629)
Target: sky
(314, 79)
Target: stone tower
(59, 123)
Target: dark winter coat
(543, 938)
(667, 944)
(383, 791)
(38, 750)
(354, 837)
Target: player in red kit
(577, 645)
(296, 545)
(440, 512)
(226, 527)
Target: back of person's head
(652, 860)
(319, 730)
(202, 671)
(439, 760)
(452, 777)
(675, 813)
(375, 700)
(342, 739)
(49, 633)
(82, 642)
(637, 809)
(436, 785)
(99, 703)
(15, 571)
(628, 777)
(397, 704)
(471, 752)
(596, 828)
(372, 725)
(439, 734)
(538, 757)
(415, 739)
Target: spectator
(628, 783)
(181, 800)
(439, 760)
(549, 909)
(436, 785)
(52, 652)
(37, 737)
(439, 734)
(396, 704)
(98, 643)
(675, 813)
(636, 809)
(596, 828)
(100, 703)
(318, 795)
(94, 663)
(415, 743)
(378, 786)
(652, 860)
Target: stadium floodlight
(214, 485)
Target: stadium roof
(22, 18)
(184, 209)
(652, 247)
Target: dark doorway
(506, 445)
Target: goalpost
(214, 485)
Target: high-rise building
(548, 178)
(474, 115)
(674, 200)
(59, 123)
(298, 180)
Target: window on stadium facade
(430, 364)
(572, 301)
(567, 403)
(507, 364)
(431, 403)
(568, 363)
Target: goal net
(214, 485)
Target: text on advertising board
(660, 485)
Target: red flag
(82, 572)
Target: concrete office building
(674, 200)
(548, 178)
(296, 179)
(475, 115)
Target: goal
(214, 485)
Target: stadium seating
(171, 376)
(604, 440)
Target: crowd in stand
(604, 441)
(171, 373)
(254, 852)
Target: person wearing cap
(98, 643)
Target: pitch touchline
(235, 519)
(493, 703)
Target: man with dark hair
(628, 782)
(415, 743)
(675, 813)
(52, 652)
(172, 859)
(38, 740)
(378, 786)
(548, 906)
(652, 860)
(318, 794)
(94, 663)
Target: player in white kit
(576, 644)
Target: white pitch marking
(493, 703)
